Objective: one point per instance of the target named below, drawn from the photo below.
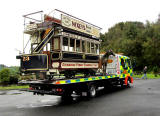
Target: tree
(126, 38)
(158, 21)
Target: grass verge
(10, 87)
(149, 76)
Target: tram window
(65, 44)
(47, 47)
(78, 46)
(83, 46)
(88, 47)
(96, 49)
(72, 44)
(92, 48)
(56, 43)
(35, 38)
(34, 46)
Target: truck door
(125, 65)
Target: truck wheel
(91, 91)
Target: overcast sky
(103, 13)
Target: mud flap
(126, 80)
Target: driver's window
(129, 63)
(123, 63)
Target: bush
(8, 77)
(155, 70)
(13, 79)
(4, 76)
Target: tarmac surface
(142, 99)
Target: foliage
(14, 75)
(2, 66)
(155, 70)
(9, 75)
(5, 76)
(14, 87)
(139, 41)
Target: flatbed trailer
(84, 86)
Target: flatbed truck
(65, 56)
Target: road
(143, 99)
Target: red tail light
(59, 90)
(31, 88)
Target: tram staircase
(45, 40)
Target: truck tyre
(91, 91)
